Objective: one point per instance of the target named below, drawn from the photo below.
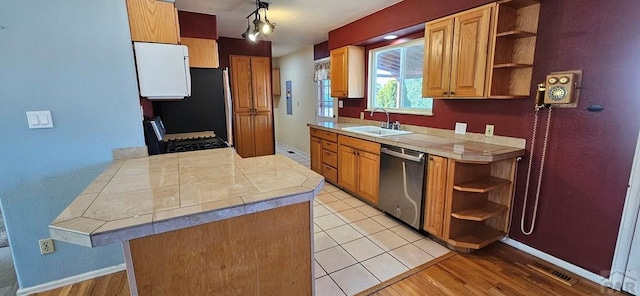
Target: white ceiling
(299, 23)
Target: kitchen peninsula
(202, 223)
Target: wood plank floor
(495, 270)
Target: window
(325, 101)
(395, 78)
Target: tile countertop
(459, 149)
(144, 196)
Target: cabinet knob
(445, 92)
(430, 158)
(452, 92)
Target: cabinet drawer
(363, 145)
(329, 136)
(330, 173)
(330, 158)
(331, 146)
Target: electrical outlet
(46, 246)
(488, 131)
(340, 104)
(461, 128)
(361, 115)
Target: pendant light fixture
(259, 27)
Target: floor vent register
(553, 273)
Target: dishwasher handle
(418, 158)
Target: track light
(265, 28)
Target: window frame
(372, 84)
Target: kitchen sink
(375, 131)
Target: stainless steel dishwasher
(402, 175)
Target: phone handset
(560, 90)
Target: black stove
(184, 145)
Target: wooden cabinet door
(203, 53)
(244, 139)
(275, 78)
(347, 168)
(437, 58)
(261, 83)
(469, 59)
(263, 134)
(435, 195)
(339, 72)
(316, 155)
(241, 83)
(368, 176)
(152, 21)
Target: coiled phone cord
(544, 154)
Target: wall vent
(553, 273)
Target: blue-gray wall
(72, 57)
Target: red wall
(233, 46)
(197, 25)
(589, 155)
(321, 50)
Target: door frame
(627, 225)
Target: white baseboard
(598, 279)
(70, 280)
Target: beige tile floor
(356, 246)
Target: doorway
(8, 280)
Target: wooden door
(263, 134)
(316, 154)
(241, 83)
(368, 176)
(435, 195)
(152, 21)
(469, 59)
(244, 139)
(261, 83)
(437, 58)
(339, 72)
(347, 168)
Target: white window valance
(322, 70)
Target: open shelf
(486, 211)
(516, 34)
(482, 185)
(512, 65)
(476, 237)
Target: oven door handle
(418, 158)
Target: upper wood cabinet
(435, 194)
(347, 72)
(275, 76)
(203, 53)
(455, 59)
(153, 21)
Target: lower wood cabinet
(254, 134)
(467, 204)
(324, 157)
(316, 154)
(348, 164)
(359, 167)
(435, 195)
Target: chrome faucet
(387, 125)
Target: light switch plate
(340, 104)
(39, 119)
(461, 128)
